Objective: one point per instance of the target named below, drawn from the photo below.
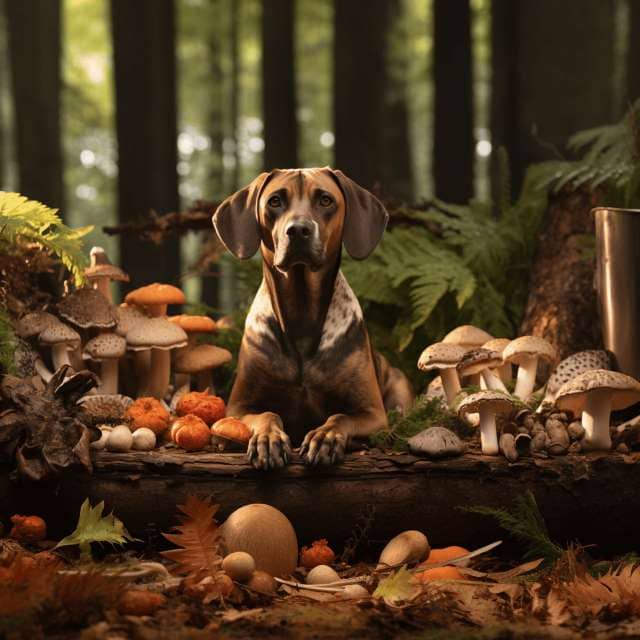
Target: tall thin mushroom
(482, 361)
(61, 339)
(200, 361)
(498, 345)
(488, 404)
(526, 352)
(107, 349)
(443, 358)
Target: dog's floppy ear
(365, 217)
(236, 219)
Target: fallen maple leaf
(397, 587)
(199, 539)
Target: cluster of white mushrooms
(581, 386)
(134, 347)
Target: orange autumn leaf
(198, 537)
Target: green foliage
(7, 344)
(525, 523)
(94, 527)
(27, 220)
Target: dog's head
(301, 217)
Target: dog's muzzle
(299, 244)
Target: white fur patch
(260, 311)
(343, 311)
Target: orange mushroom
(155, 298)
(191, 433)
(444, 555)
(28, 528)
(228, 432)
(437, 574)
(148, 413)
(200, 403)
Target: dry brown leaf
(199, 539)
(503, 576)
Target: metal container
(618, 283)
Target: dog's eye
(325, 200)
(274, 202)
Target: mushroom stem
(141, 365)
(181, 380)
(60, 355)
(493, 381)
(159, 371)
(204, 380)
(595, 419)
(103, 285)
(488, 433)
(109, 376)
(473, 380)
(42, 371)
(526, 377)
(450, 384)
(505, 372)
(156, 310)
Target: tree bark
(552, 75)
(453, 105)
(359, 88)
(278, 85)
(633, 53)
(145, 78)
(34, 53)
(234, 105)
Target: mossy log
(591, 498)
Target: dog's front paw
(324, 445)
(269, 448)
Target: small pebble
(436, 442)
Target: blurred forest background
(112, 108)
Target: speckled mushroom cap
(87, 308)
(128, 317)
(59, 333)
(496, 344)
(576, 364)
(467, 336)
(486, 399)
(194, 324)
(34, 323)
(155, 293)
(101, 266)
(476, 360)
(106, 346)
(625, 390)
(440, 356)
(105, 407)
(522, 348)
(155, 333)
(201, 358)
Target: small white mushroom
(498, 345)
(482, 361)
(353, 592)
(120, 439)
(488, 404)
(406, 548)
(322, 574)
(101, 443)
(143, 439)
(467, 336)
(62, 339)
(444, 358)
(239, 566)
(107, 349)
(526, 353)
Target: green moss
(8, 344)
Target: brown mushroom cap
(231, 429)
(525, 347)
(194, 324)
(128, 317)
(440, 356)
(101, 266)
(34, 323)
(155, 333)
(486, 399)
(467, 336)
(59, 333)
(572, 395)
(476, 360)
(87, 308)
(201, 358)
(155, 293)
(105, 347)
(496, 344)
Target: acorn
(263, 583)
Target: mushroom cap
(201, 358)
(231, 429)
(59, 333)
(520, 349)
(101, 266)
(625, 390)
(194, 324)
(467, 336)
(34, 323)
(486, 399)
(128, 317)
(440, 356)
(155, 293)
(477, 360)
(87, 308)
(105, 347)
(155, 333)
(496, 344)
(105, 407)
(576, 364)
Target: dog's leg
(269, 446)
(327, 443)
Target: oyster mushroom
(443, 358)
(87, 309)
(155, 298)
(499, 345)
(61, 339)
(482, 361)
(199, 361)
(107, 349)
(488, 404)
(101, 273)
(594, 394)
(526, 352)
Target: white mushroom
(444, 358)
(200, 361)
(526, 352)
(467, 336)
(62, 339)
(488, 404)
(120, 439)
(106, 348)
(498, 345)
(482, 361)
(143, 439)
(595, 394)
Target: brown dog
(306, 369)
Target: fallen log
(590, 498)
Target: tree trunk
(398, 180)
(633, 53)
(278, 85)
(453, 105)
(552, 75)
(359, 88)
(34, 52)
(145, 78)
(234, 38)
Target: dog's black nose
(299, 229)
